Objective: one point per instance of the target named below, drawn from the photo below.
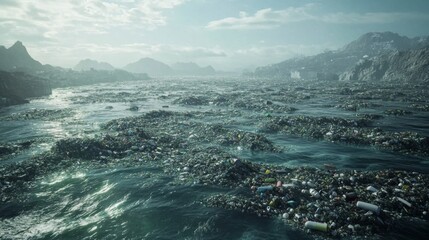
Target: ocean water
(144, 202)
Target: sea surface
(143, 202)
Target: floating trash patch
(13, 148)
(356, 105)
(397, 112)
(332, 203)
(165, 174)
(420, 107)
(349, 131)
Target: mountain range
(23, 77)
(374, 56)
(16, 58)
(331, 64)
(150, 66)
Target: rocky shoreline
(15, 88)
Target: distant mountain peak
(148, 59)
(89, 64)
(17, 57)
(381, 35)
(18, 44)
(379, 42)
(18, 47)
(150, 66)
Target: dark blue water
(119, 202)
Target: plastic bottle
(405, 202)
(316, 226)
(371, 189)
(264, 188)
(289, 185)
(350, 196)
(291, 203)
(314, 193)
(368, 206)
(270, 180)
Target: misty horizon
(238, 35)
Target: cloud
(372, 17)
(263, 19)
(52, 19)
(268, 18)
(195, 52)
(144, 49)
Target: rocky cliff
(404, 66)
(17, 86)
(331, 63)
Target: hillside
(17, 58)
(405, 66)
(149, 66)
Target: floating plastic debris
(316, 226)
(371, 189)
(405, 202)
(368, 206)
(264, 188)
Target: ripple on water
(135, 203)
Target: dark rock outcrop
(16, 87)
(405, 66)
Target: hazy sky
(228, 34)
